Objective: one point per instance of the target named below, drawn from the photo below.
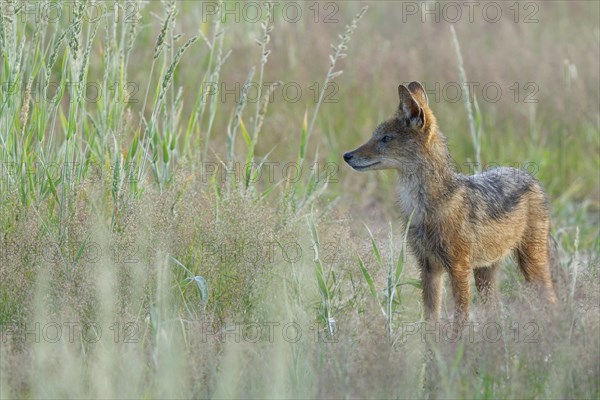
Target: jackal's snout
(358, 161)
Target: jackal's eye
(386, 139)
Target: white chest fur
(411, 199)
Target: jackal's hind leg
(532, 256)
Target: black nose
(348, 156)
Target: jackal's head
(401, 140)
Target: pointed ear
(409, 108)
(418, 91)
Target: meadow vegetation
(141, 258)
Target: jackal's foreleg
(432, 280)
(461, 290)
(485, 281)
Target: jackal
(459, 223)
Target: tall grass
(392, 300)
(474, 131)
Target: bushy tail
(559, 278)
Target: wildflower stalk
(338, 53)
(468, 105)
